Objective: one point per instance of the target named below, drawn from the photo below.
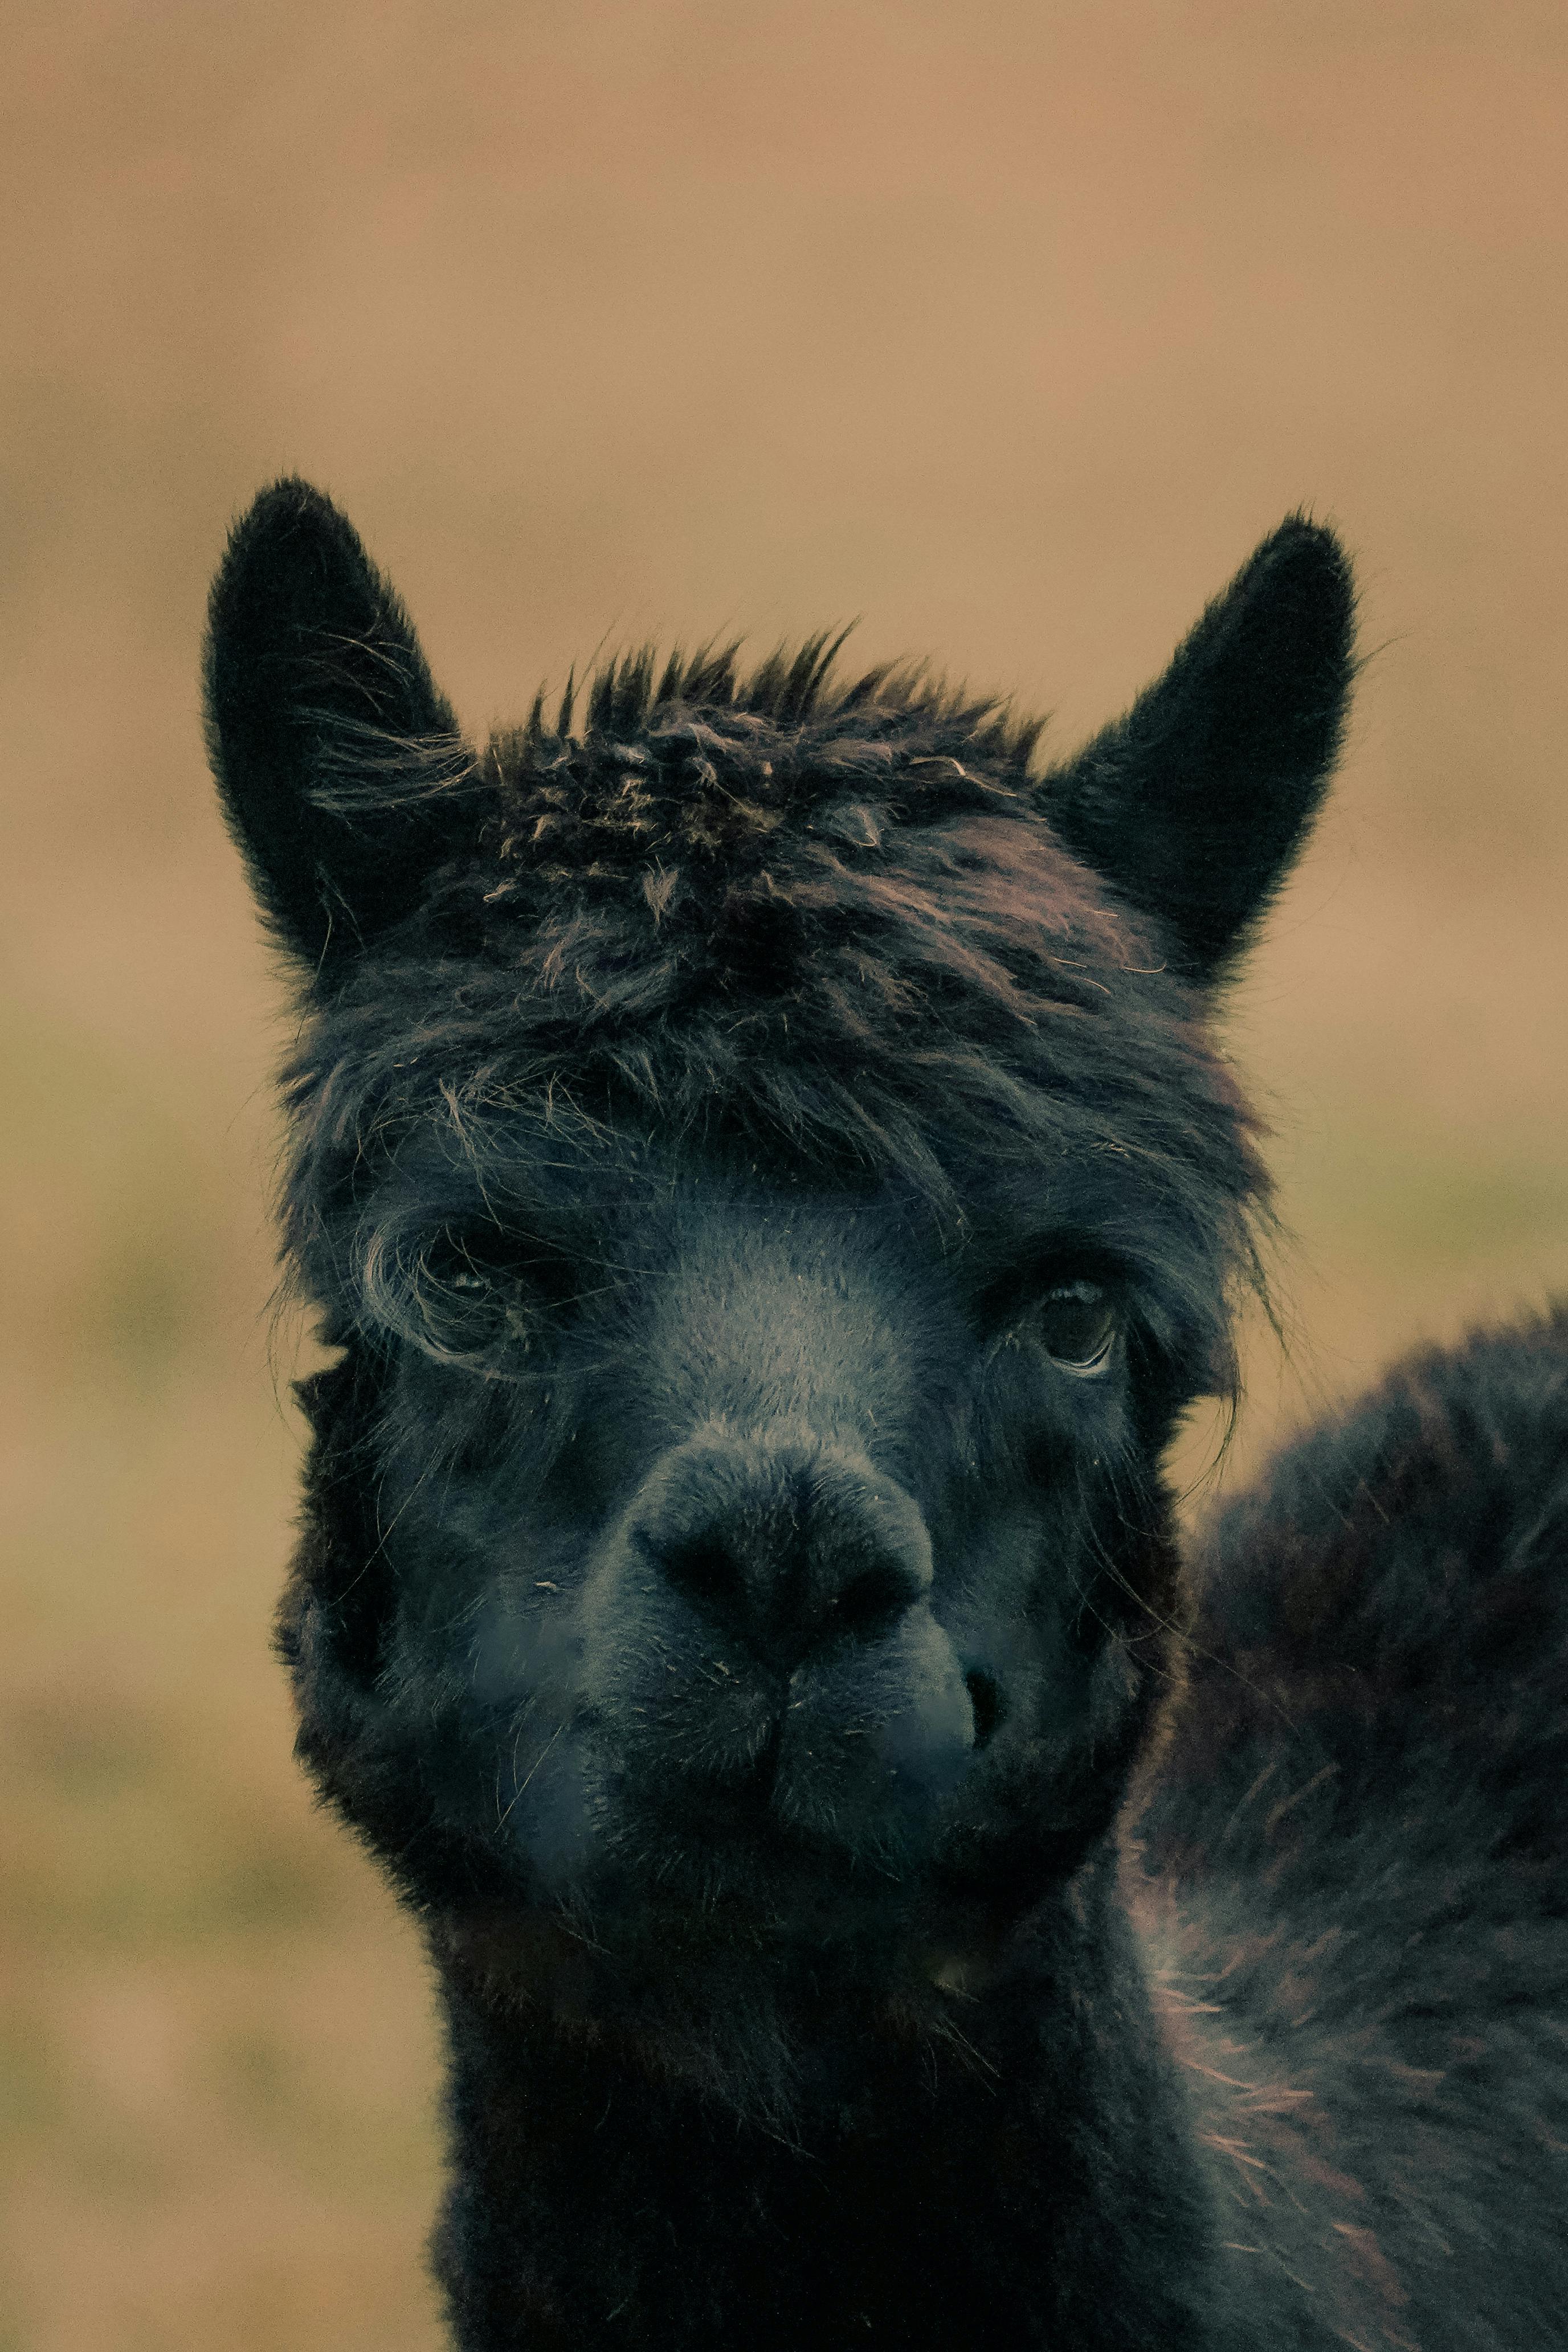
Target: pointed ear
(1194, 803)
(339, 767)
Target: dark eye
(1076, 1323)
(497, 1273)
(455, 1262)
(470, 1298)
(469, 1279)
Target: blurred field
(1009, 328)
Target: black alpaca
(758, 1155)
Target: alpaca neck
(933, 2190)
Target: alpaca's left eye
(1077, 1323)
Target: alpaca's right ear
(340, 766)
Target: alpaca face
(767, 1554)
(758, 1154)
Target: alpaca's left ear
(340, 766)
(1194, 803)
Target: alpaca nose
(789, 1545)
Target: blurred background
(1009, 328)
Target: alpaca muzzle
(788, 1546)
(761, 1653)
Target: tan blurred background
(1007, 327)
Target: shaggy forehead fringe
(791, 686)
(708, 754)
(828, 922)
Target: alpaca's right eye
(501, 1272)
(464, 1277)
(454, 1267)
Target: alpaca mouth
(818, 1786)
(781, 1863)
(986, 1701)
(764, 1786)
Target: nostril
(704, 1571)
(872, 1600)
(985, 1700)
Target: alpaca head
(756, 1145)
